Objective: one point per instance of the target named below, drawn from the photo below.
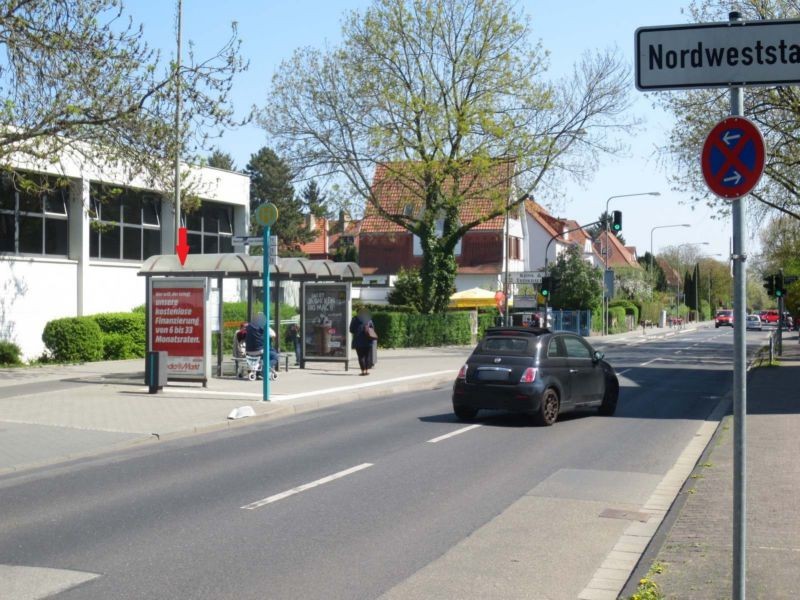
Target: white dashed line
(306, 486)
(649, 362)
(453, 433)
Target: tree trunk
(438, 274)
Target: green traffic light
(545, 293)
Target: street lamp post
(605, 258)
(651, 238)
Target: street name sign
(742, 53)
(525, 277)
(733, 157)
(248, 240)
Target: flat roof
(244, 266)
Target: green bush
(616, 319)
(629, 307)
(237, 311)
(9, 353)
(73, 339)
(124, 334)
(118, 346)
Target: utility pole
(178, 137)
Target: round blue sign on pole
(733, 158)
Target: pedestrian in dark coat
(363, 331)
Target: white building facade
(76, 249)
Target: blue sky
(271, 30)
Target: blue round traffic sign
(733, 157)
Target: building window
(125, 224)
(514, 248)
(34, 222)
(210, 228)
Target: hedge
(405, 330)
(616, 319)
(9, 354)
(73, 339)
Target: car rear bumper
(513, 398)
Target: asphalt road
(351, 501)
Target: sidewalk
(695, 554)
(57, 412)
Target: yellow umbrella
(472, 298)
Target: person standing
(363, 331)
(294, 339)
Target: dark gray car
(536, 372)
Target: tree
(221, 160)
(271, 181)
(776, 110)
(656, 275)
(407, 289)
(578, 285)
(313, 200)
(438, 92)
(77, 75)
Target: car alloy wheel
(548, 409)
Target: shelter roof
(244, 266)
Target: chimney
(565, 232)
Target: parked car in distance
(769, 316)
(754, 322)
(724, 317)
(534, 371)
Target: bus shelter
(324, 286)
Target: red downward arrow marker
(182, 248)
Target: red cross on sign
(733, 158)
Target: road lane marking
(306, 486)
(453, 433)
(622, 372)
(650, 362)
(299, 395)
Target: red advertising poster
(177, 326)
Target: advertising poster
(178, 326)
(326, 317)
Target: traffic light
(780, 288)
(547, 285)
(769, 284)
(616, 221)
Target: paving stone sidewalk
(696, 554)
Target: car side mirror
(597, 356)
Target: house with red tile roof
(618, 255)
(385, 246)
(542, 227)
(330, 235)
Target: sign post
(733, 54)
(266, 215)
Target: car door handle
(573, 370)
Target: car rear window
(725, 313)
(506, 345)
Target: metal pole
(739, 381)
(178, 144)
(505, 283)
(265, 362)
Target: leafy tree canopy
(446, 88)
(77, 75)
(221, 160)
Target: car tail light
(462, 373)
(529, 376)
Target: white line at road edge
(306, 486)
(280, 397)
(649, 362)
(453, 433)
